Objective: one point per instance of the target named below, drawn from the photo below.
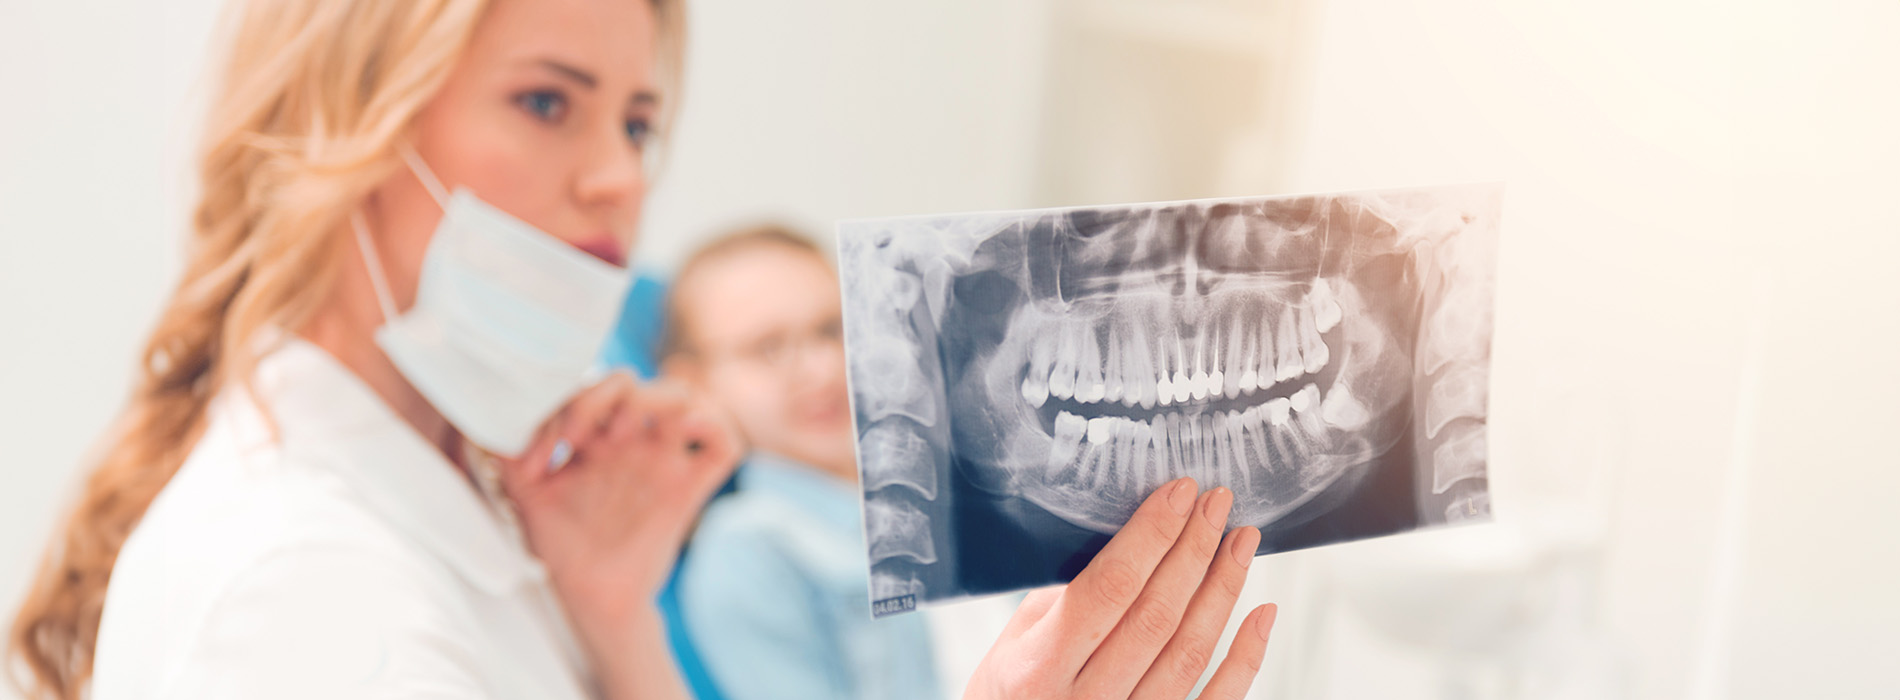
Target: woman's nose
(613, 179)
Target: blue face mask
(508, 320)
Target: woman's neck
(345, 327)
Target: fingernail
(1182, 499)
(1215, 509)
(1246, 543)
(563, 451)
(1263, 625)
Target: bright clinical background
(1695, 382)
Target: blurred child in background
(775, 591)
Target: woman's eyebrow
(643, 98)
(584, 78)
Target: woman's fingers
(612, 411)
(1180, 664)
(1031, 610)
(591, 411)
(1236, 673)
(520, 473)
(710, 440)
(1155, 616)
(1098, 597)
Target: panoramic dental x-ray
(1021, 381)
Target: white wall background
(812, 112)
(94, 137)
(1696, 327)
(1696, 272)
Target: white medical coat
(344, 557)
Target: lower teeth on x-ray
(1021, 381)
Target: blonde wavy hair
(312, 98)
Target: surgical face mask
(508, 320)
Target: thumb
(547, 453)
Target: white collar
(325, 412)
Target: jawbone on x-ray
(1021, 381)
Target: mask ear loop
(423, 173)
(375, 264)
(370, 258)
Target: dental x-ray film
(1021, 381)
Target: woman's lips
(605, 248)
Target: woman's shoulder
(237, 502)
(248, 547)
(306, 619)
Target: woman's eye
(638, 130)
(546, 105)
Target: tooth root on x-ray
(1326, 311)
(1254, 429)
(1112, 370)
(1177, 378)
(1230, 360)
(1312, 347)
(1158, 465)
(1458, 458)
(1217, 358)
(1212, 446)
(893, 454)
(1067, 442)
(1228, 473)
(1183, 378)
(1108, 475)
(1036, 375)
(1287, 347)
(1177, 443)
(895, 529)
(1140, 454)
(1249, 358)
(1203, 457)
(1267, 361)
(1141, 366)
(1088, 378)
(1197, 379)
(1062, 369)
(1306, 404)
(1236, 453)
(1161, 356)
(1115, 478)
(1133, 378)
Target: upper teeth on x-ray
(1066, 363)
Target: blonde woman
(366, 455)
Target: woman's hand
(1142, 620)
(605, 495)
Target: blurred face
(764, 342)
(546, 117)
